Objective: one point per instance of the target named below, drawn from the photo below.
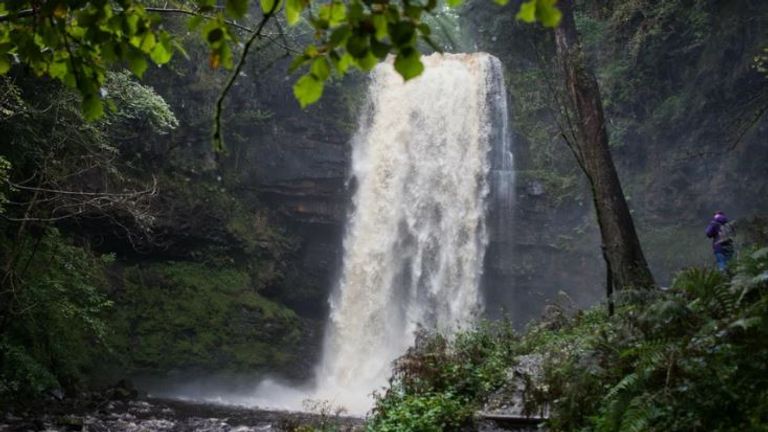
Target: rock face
(505, 409)
(299, 169)
(685, 145)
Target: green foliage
(543, 11)
(692, 357)
(55, 322)
(439, 383)
(77, 166)
(183, 315)
(76, 42)
(671, 360)
(361, 34)
(134, 104)
(425, 412)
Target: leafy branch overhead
(77, 41)
(361, 33)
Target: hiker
(721, 233)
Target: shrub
(689, 358)
(54, 322)
(439, 383)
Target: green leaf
(547, 13)
(226, 57)
(357, 46)
(5, 64)
(543, 11)
(194, 22)
(334, 13)
(163, 51)
(339, 35)
(148, 42)
(298, 62)
(527, 12)
(308, 90)
(236, 8)
(413, 11)
(161, 54)
(501, 2)
(454, 3)
(355, 12)
(93, 107)
(293, 10)
(344, 63)
(379, 49)
(59, 69)
(269, 6)
(215, 35)
(380, 24)
(368, 62)
(137, 63)
(320, 68)
(401, 32)
(408, 63)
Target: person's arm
(712, 229)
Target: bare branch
(218, 143)
(198, 14)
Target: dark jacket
(713, 231)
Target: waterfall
(433, 180)
(425, 158)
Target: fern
(624, 385)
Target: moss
(189, 315)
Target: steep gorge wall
(686, 113)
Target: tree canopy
(77, 41)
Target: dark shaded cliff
(686, 115)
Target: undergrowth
(689, 358)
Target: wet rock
(161, 416)
(57, 394)
(505, 409)
(123, 390)
(70, 423)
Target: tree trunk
(622, 251)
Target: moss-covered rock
(184, 315)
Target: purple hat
(720, 217)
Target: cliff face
(686, 118)
(298, 163)
(298, 167)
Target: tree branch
(198, 14)
(20, 14)
(218, 143)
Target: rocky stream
(145, 415)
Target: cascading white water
(416, 238)
(431, 162)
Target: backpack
(725, 236)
